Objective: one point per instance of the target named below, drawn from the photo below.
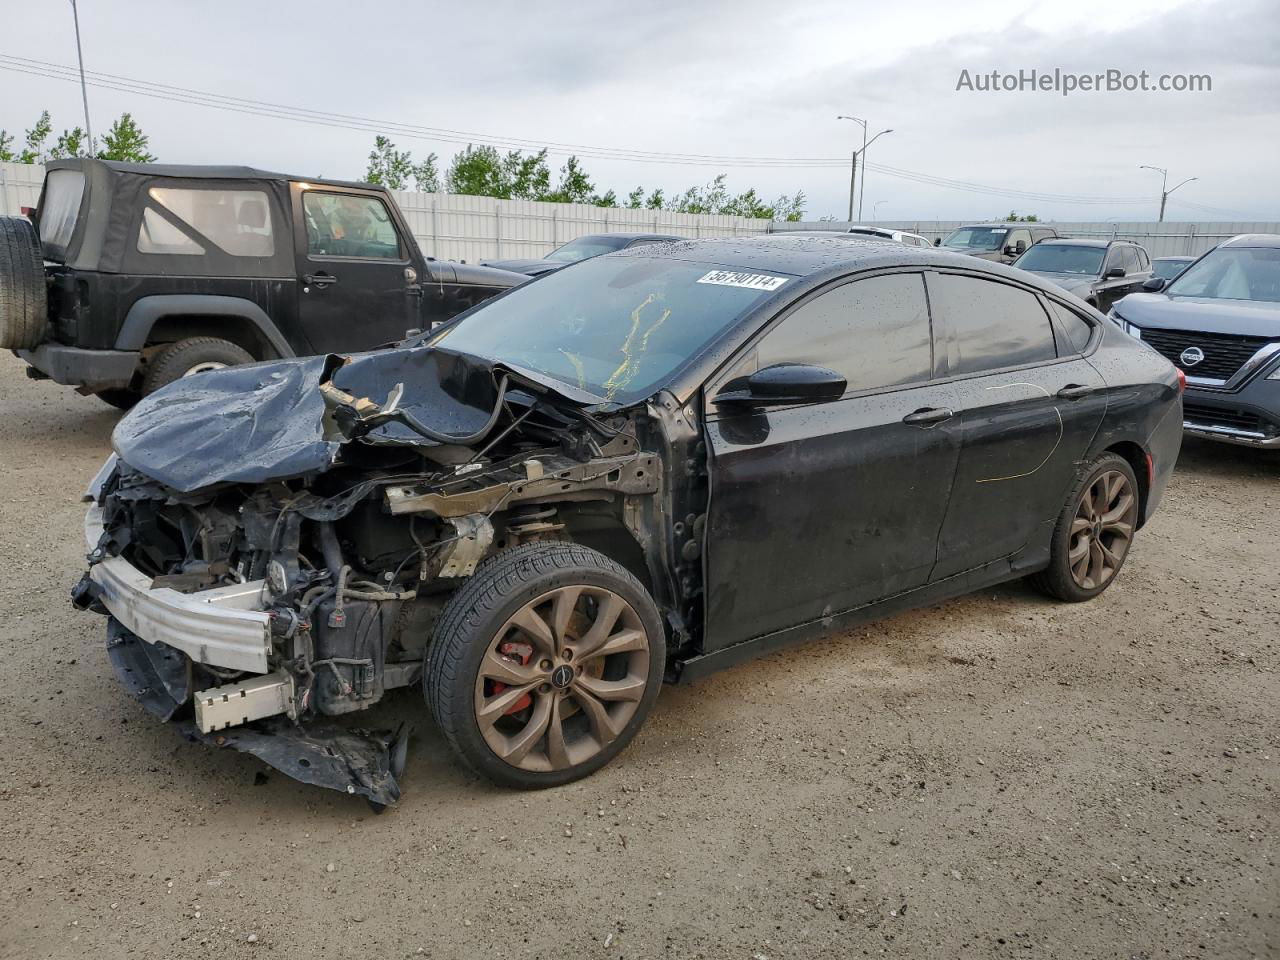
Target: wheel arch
(1138, 459)
(170, 317)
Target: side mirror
(937, 241)
(1020, 247)
(1114, 273)
(1154, 284)
(785, 383)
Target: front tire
(1094, 531)
(544, 664)
(191, 356)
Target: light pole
(1164, 180)
(875, 207)
(853, 166)
(84, 93)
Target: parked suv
(1099, 272)
(1219, 322)
(1002, 242)
(130, 276)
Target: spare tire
(23, 304)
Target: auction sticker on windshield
(752, 281)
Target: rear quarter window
(1074, 327)
(63, 191)
(238, 222)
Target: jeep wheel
(23, 304)
(544, 664)
(188, 357)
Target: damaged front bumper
(155, 635)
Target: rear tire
(187, 357)
(1094, 532)
(23, 301)
(544, 664)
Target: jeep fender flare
(142, 316)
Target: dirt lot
(997, 777)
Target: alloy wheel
(1102, 530)
(562, 678)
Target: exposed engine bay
(275, 543)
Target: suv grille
(1224, 353)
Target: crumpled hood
(1249, 318)
(267, 421)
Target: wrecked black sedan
(639, 469)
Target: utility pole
(84, 92)
(1164, 180)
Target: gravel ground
(1000, 776)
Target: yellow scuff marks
(631, 356)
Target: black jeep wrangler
(129, 276)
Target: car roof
(820, 256)
(628, 236)
(198, 171)
(1253, 240)
(1180, 258)
(1078, 242)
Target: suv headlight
(1124, 324)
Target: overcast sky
(740, 78)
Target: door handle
(929, 415)
(1074, 391)
(319, 279)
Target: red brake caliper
(520, 653)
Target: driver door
(817, 508)
(357, 287)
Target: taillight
(1182, 380)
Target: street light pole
(1164, 181)
(84, 92)
(875, 210)
(853, 166)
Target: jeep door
(1029, 405)
(357, 279)
(821, 507)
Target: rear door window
(873, 332)
(238, 222)
(991, 325)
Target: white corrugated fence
(454, 227)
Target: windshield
(1232, 273)
(976, 238)
(584, 248)
(1062, 258)
(1168, 269)
(617, 327)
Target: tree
(574, 186)
(1014, 218)
(635, 199)
(526, 177)
(426, 175)
(126, 142)
(71, 143)
(6, 147)
(388, 166)
(36, 136)
(477, 171)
